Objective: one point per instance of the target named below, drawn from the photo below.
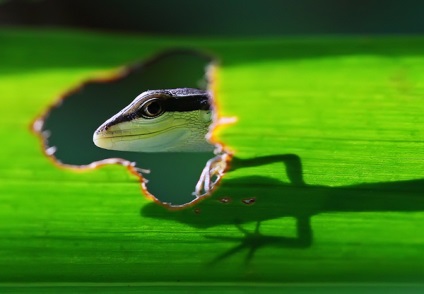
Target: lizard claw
(211, 174)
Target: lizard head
(172, 120)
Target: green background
(349, 108)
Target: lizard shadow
(258, 199)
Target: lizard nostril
(104, 128)
(101, 129)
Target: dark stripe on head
(172, 100)
(186, 103)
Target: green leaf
(346, 206)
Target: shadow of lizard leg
(304, 232)
(254, 241)
(292, 163)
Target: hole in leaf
(225, 200)
(249, 201)
(67, 127)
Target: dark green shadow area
(259, 199)
(71, 124)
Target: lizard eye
(151, 108)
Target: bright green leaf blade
(351, 110)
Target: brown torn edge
(218, 122)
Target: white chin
(166, 142)
(105, 143)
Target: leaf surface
(346, 205)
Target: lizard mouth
(134, 140)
